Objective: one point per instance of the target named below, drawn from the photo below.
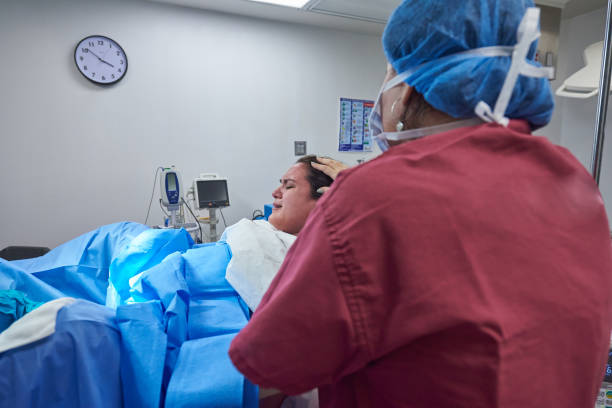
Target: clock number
(118, 53)
(85, 50)
(93, 74)
(113, 75)
(81, 58)
(91, 44)
(84, 67)
(110, 45)
(121, 62)
(119, 70)
(100, 42)
(103, 78)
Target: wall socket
(300, 148)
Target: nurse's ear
(406, 94)
(399, 107)
(417, 112)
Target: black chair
(13, 253)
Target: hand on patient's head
(329, 166)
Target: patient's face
(292, 201)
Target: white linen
(258, 251)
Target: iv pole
(604, 93)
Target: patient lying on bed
(259, 247)
(175, 312)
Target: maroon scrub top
(470, 268)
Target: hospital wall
(204, 91)
(574, 119)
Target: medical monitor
(171, 187)
(211, 193)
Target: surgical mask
(527, 33)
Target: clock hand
(88, 50)
(100, 59)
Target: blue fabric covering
(60, 371)
(143, 252)
(174, 309)
(420, 31)
(79, 268)
(201, 314)
(14, 305)
(206, 358)
(15, 278)
(143, 353)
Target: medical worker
(470, 264)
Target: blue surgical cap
(420, 31)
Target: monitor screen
(212, 193)
(171, 179)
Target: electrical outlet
(300, 148)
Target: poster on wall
(354, 125)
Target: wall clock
(100, 59)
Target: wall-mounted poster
(354, 125)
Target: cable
(222, 216)
(195, 218)
(256, 214)
(162, 208)
(152, 193)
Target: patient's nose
(277, 193)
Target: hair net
(420, 31)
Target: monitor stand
(212, 221)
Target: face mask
(527, 33)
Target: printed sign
(354, 125)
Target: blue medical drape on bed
(79, 268)
(202, 314)
(76, 366)
(175, 312)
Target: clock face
(100, 59)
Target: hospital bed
(147, 320)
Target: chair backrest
(13, 253)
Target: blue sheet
(170, 302)
(202, 314)
(79, 268)
(59, 370)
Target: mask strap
(431, 130)
(528, 32)
(493, 51)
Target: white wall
(206, 92)
(574, 119)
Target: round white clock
(100, 59)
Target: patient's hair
(316, 178)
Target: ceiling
(363, 16)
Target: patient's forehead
(297, 173)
